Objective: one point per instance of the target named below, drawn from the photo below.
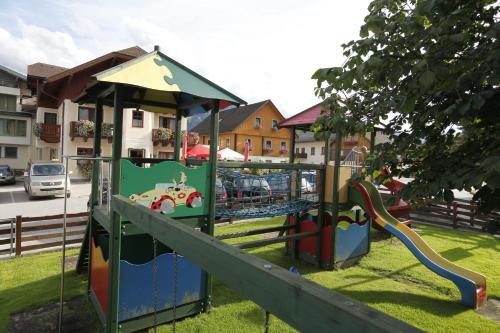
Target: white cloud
(256, 49)
(37, 44)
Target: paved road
(14, 201)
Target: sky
(256, 49)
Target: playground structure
(149, 249)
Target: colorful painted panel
(99, 273)
(351, 240)
(168, 187)
(137, 289)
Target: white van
(42, 179)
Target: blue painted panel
(351, 242)
(136, 285)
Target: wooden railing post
(455, 217)
(19, 220)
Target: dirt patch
(70, 262)
(399, 277)
(491, 310)
(77, 318)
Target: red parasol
(200, 151)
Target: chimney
(157, 47)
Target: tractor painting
(166, 196)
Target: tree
(428, 71)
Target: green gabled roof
(158, 72)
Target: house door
(50, 118)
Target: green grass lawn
(389, 279)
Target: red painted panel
(99, 276)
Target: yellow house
(255, 123)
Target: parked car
(247, 189)
(7, 175)
(220, 194)
(42, 179)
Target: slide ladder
(472, 285)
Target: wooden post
(178, 135)
(335, 203)
(292, 146)
(214, 136)
(19, 221)
(455, 217)
(115, 232)
(96, 153)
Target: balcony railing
(301, 155)
(162, 136)
(85, 130)
(50, 133)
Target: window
(269, 145)
(7, 102)
(86, 113)
(303, 150)
(53, 154)
(50, 117)
(297, 150)
(274, 123)
(283, 145)
(258, 122)
(228, 143)
(323, 151)
(10, 152)
(167, 122)
(313, 151)
(12, 127)
(136, 153)
(84, 152)
(137, 118)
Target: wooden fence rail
(460, 214)
(24, 234)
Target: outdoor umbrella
(200, 151)
(227, 154)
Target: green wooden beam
(279, 239)
(301, 303)
(335, 203)
(115, 225)
(178, 135)
(253, 232)
(97, 151)
(281, 166)
(214, 138)
(292, 146)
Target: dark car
(241, 189)
(220, 194)
(7, 175)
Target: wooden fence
(460, 214)
(24, 234)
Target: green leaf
(427, 79)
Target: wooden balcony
(155, 137)
(51, 133)
(301, 155)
